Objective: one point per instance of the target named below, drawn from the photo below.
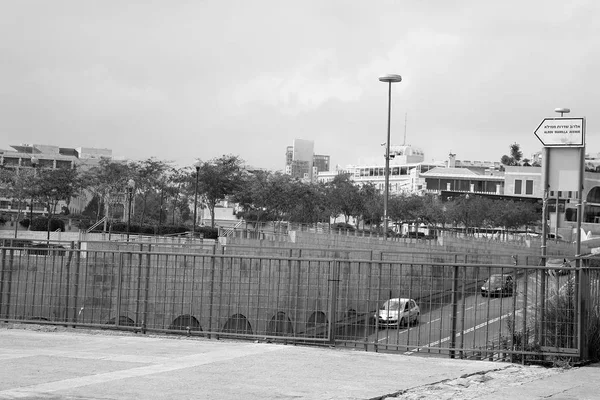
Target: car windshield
(496, 279)
(392, 305)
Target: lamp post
(130, 192)
(34, 162)
(197, 166)
(389, 79)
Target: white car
(398, 312)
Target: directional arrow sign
(561, 132)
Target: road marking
(472, 329)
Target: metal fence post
(3, 268)
(212, 290)
(7, 277)
(454, 310)
(583, 305)
(147, 288)
(68, 281)
(139, 285)
(119, 288)
(334, 279)
(76, 284)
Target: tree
(469, 211)
(217, 179)
(174, 185)
(16, 184)
(108, 181)
(149, 181)
(516, 153)
(54, 185)
(252, 194)
(309, 205)
(515, 156)
(343, 196)
(404, 207)
(432, 211)
(372, 204)
(511, 215)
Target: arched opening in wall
(571, 214)
(591, 213)
(280, 325)
(354, 326)
(186, 322)
(123, 321)
(316, 326)
(239, 324)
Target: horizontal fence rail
(534, 312)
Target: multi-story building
(302, 163)
(409, 173)
(406, 166)
(47, 156)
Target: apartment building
(48, 156)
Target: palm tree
(515, 156)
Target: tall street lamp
(130, 192)
(34, 162)
(197, 166)
(389, 79)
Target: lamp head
(390, 78)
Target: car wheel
(401, 322)
(483, 294)
(417, 318)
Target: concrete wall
(320, 275)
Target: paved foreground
(46, 362)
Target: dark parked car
(498, 285)
(342, 226)
(43, 249)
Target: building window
(528, 187)
(518, 184)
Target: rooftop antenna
(404, 143)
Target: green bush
(41, 224)
(3, 220)
(83, 223)
(593, 332)
(207, 232)
(560, 329)
(121, 227)
(521, 340)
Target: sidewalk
(58, 363)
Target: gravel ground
(478, 385)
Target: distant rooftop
(54, 151)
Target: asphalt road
(482, 323)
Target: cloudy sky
(181, 80)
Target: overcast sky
(181, 80)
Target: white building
(406, 165)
